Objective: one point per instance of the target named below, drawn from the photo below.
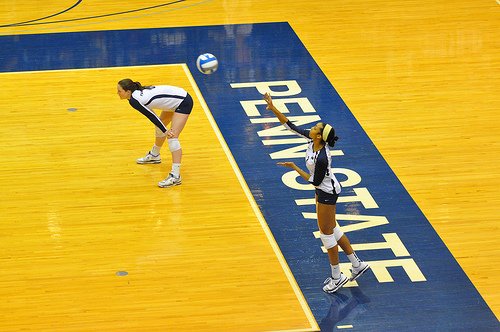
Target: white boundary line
(251, 200)
(81, 69)
(340, 327)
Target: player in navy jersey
(175, 105)
(318, 162)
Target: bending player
(175, 105)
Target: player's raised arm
(270, 106)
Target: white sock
(354, 259)
(155, 150)
(176, 170)
(335, 271)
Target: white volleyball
(207, 63)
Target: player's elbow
(316, 183)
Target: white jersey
(161, 97)
(318, 163)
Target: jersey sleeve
(148, 113)
(299, 131)
(320, 169)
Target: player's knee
(159, 133)
(328, 240)
(337, 232)
(174, 144)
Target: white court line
(80, 69)
(251, 200)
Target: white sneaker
(149, 158)
(170, 181)
(356, 272)
(331, 285)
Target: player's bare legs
(178, 122)
(153, 156)
(166, 118)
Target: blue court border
(445, 301)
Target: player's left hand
(170, 133)
(269, 100)
(288, 164)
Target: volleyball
(207, 63)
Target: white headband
(326, 132)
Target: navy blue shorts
(325, 198)
(186, 106)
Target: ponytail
(331, 143)
(128, 85)
(328, 135)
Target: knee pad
(328, 240)
(174, 144)
(159, 133)
(338, 233)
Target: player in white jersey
(327, 188)
(175, 105)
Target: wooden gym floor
(420, 77)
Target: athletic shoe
(149, 158)
(170, 181)
(331, 285)
(356, 272)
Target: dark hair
(331, 138)
(128, 85)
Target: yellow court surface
(88, 242)
(80, 211)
